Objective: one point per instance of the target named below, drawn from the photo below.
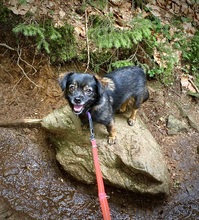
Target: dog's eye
(88, 90)
(71, 88)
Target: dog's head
(81, 90)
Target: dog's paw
(131, 121)
(111, 140)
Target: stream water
(33, 185)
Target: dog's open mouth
(78, 109)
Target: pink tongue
(78, 108)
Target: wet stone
(175, 126)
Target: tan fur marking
(111, 84)
(133, 114)
(74, 84)
(131, 119)
(124, 106)
(106, 82)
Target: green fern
(32, 30)
(59, 43)
(105, 35)
(29, 30)
(130, 46)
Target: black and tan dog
(104, 96)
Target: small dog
(104, 96)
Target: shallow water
(34, 185)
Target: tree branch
(87, 41)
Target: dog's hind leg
(136, 105)
(132, 118)
(123, 106)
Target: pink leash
(101, 192)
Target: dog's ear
(63, 81)
(100, 85)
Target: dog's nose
(77, 100)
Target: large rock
(135, 163)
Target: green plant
(21, 2)
(100, 4)
(191, 56)
(119, 44)
(106, 36)
(59, 43)
(122, 63)
(31, 30)
(62, 47)
(135, 45)
(6, 16)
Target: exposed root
(19, 51)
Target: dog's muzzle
(77, 106)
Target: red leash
(101, 192)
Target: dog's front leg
(112, 132)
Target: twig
(175, 92)
(87, 41)
(193, 84)
(133, 55)
(144, 52)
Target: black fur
(104, 96)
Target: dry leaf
(80, 31)
(186, 84)
(190, 30)
(62, 14)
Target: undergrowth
(141, 41)
(191, 57)
(134, 45)
(145, 42)
(58, 43)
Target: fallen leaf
(186, 84)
